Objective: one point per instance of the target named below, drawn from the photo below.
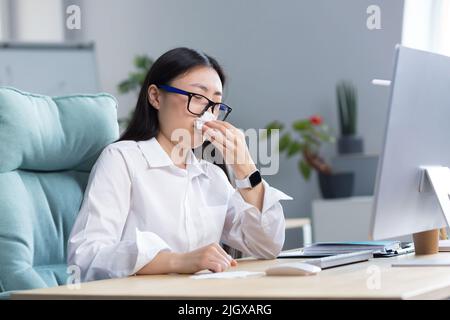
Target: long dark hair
(144, 123)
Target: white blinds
(426, 25)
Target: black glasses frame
(211, 104)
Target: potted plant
(306, 140)
(134, 82)
(347, 102)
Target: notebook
(323, 249)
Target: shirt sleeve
(95, 245)
(257, 233)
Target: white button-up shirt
(138, 202)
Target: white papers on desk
(228, 275)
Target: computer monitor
(412, 191)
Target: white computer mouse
(293, 269)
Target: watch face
(255, 178)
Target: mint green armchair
(47, 148)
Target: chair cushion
(38, 132)
(48, 146)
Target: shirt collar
(156, 157)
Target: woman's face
(174, 118)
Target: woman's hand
(230, 141)
(211, 257)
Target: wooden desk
(356, 281)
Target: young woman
(151, 207)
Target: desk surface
(374, 279)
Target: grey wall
(283, 59)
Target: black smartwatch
(250, 181)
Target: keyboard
(341, 259)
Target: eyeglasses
(199, 104)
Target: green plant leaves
(309, 135)
(347, 106)
(134, 81)
(285, 141)
(125, 86)
(136, 78)
(294, 148)
(301, 125)
(143, 62)
(274, 125)
(305, 169)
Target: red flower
(316, 120)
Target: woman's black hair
(144, 123)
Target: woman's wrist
(243, 170)
(175, 262)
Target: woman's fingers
(214, 266)
(222, 252)
(230, 132)
(224, 147)
(231, 152)
(226, 124)
(211, 137)
(224, 263)
(221, 260)
(218, 260)
(220, 138)
(230, 259)
(215, 132)
(228, 154)
(231, 138)
(220, 125)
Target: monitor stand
(434, 179)
(426, 242)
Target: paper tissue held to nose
(207, 116)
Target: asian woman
(152, 207)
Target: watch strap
(250, 181)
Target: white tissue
(207, 116)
